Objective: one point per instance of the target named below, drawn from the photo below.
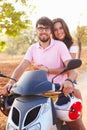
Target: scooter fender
(32, 113)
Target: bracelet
(69, 80)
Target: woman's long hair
(68, 38)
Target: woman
(61, 32)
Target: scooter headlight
(10, 127)
(35, 127)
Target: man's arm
(48, 70)
(20, 69)
(16, 75)
(68, 85)
(72, 74)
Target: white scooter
(28, 109)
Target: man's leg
(77, 125)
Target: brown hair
(46, 22)
(68, 38)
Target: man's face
(43, 32)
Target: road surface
(82, 85)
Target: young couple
(52, 56)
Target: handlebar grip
(56, 87)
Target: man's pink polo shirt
(52, 57)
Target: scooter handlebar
(56, 87)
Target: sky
(74, 12)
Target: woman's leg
(77, 124)
(77, 93)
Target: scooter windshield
(32, 82)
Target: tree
(20, 44)
(2, 46)
(12, 21)
(81, 37)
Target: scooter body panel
(28, 112)
(34, 112)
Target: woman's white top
(73, 49)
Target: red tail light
(75, 111)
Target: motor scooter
(28, 108)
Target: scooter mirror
(73, 64)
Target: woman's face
(59, 31)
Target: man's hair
(45, 21)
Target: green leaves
(13, 21)
(2, 46)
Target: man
(49, 55)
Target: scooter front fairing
(32, 113)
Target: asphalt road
(82, 85)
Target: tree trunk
(80, 48)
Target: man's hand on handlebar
(67, 87)
(7, 87)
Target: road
(82, 85)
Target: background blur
(18, 18)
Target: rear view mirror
(73, 64)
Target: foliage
(2, 46)
(13, 21)
(29, 36)
(81, 36)
(82, 33)
(20, 44)
(23, 1)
